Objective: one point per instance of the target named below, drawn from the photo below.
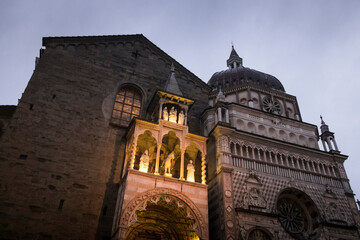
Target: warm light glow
(190, 172)
(190, 179)
(172, 120)
(143, 169)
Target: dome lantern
(234, 60)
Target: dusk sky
(312, 47)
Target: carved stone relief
(139, 203)
(252, 196)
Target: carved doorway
(162, 220)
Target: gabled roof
(53, 41)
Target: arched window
(127, 105)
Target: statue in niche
(181, 118)
(165, 114)
(172, 116)
(144, 162)
(190, 172)
(168, 163)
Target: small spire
(220, 96)
(324, 127)
(322, 121)
(327, 137)
(171, 84)
(234, 60)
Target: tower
(268, 179)
(163, 191)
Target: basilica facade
(114, 139)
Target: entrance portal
(163, 219)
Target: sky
(311, 46)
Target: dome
(238, 74)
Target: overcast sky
(312, 47)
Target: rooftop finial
(322, 120)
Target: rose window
(292, 216)
(298, 215)
(271, 106)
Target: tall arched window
(127, 105)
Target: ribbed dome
(238, 74)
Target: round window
(271, 106)
(298, 214)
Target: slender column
(335, 145)
(329, 143)
(318, 167)
(241, 151)
(307, 164)
(227, 115)
(287, 161)
(219, 115)
(277, 164)
(253, 153)
(182, 164)
(330, 171)
(270, 157)
(324, 145)
(296, 111)
(247, 151)
(333, 170)
(265, 159)
(203, 169)
(281, 161)
(157, 159)
(160, 111)
(326, 168)
(132, 159)
(298, 163)
(313, 166)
